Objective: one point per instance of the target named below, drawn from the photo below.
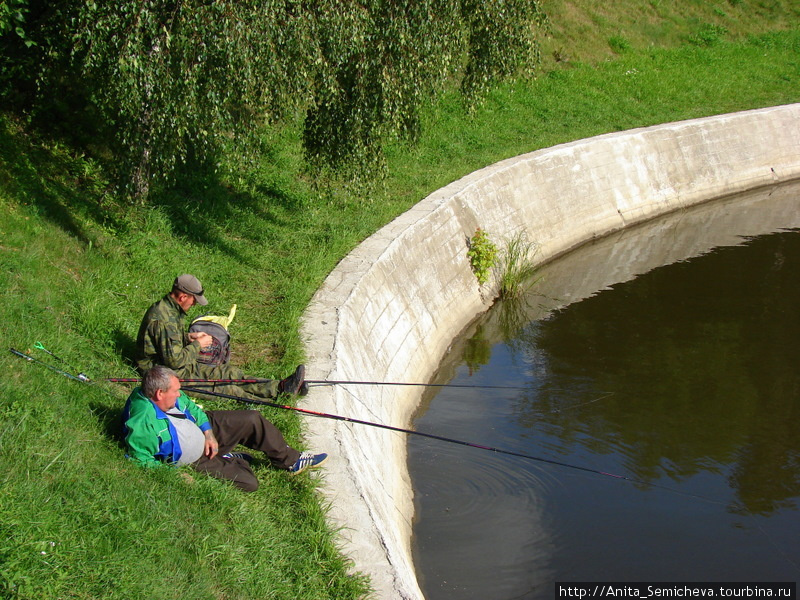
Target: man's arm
(142, 442)
(202, 338)
(169, 344)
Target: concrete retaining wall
(390, 309)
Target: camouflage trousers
(266, 388)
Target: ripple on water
(498, 502)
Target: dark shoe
(293, 384)
(303, 389)
(307, 460)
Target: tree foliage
(167, 79)
(12, 16)
(380, 61)
(174, 76)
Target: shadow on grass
(68, 190)
(206, 211)
(110, 420)
(50, 180)
(124, 346)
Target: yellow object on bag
(219, 352)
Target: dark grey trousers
(250, 429)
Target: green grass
(78, 269)
(638, 89)
(581, 29)
(76, 519)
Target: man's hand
(212, 446)
(201, 338)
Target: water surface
(667, 354)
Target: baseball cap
(191, 285)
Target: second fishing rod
(450, 440)
(200, 382)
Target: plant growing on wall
(516, 266)
(482, 254)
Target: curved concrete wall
(390, 309)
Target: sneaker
(293, 384)
(244, 455)
(307, 460)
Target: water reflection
(684, 375)
(691, 349)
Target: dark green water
(668, 354)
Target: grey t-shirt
(190, 437)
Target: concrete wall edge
(390, 309)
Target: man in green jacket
(163, 339)
(163, 425)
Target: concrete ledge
(390, 309)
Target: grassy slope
(77, 271)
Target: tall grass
(515, 267)
(78, 269)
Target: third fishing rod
(79, 377)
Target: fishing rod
(79, 377)
(320, 382)
(40, 346)
(450, 385)
(440, 438)
(84, 379)
(393, 428)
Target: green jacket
(150, 436)
(163, 338)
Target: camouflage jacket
(163, 339)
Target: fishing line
(574, 406)
(321, 382)
(778, 549)
(84, 379)
(453, 441)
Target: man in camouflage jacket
(163, 340)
